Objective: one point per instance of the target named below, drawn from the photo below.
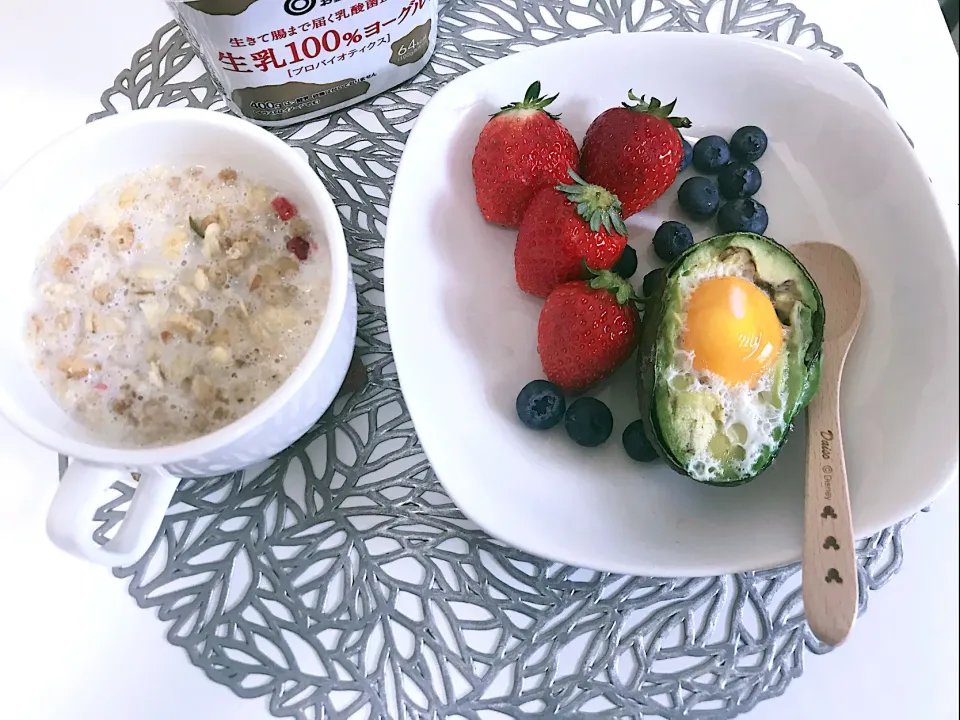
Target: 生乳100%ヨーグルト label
(280, 62)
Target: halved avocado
(680, 422)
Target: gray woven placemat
(339, 580)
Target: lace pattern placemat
(339, 581)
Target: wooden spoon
(829, 561)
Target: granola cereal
(174, 302)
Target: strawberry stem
(609, 280)
(656, 109)
(596, 205)
(532, 100)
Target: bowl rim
(100, 133)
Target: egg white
(750, 419)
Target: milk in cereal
(174, 302)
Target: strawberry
(522, 149)
(564, 227)
(634, 151)
(587, 329)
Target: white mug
(50, 187)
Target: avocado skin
(647, 371)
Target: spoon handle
(829, 560)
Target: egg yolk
(732, 330)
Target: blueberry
(748, 143)
(626, 266)
(710, 154)
(687, 154)
(739, 180)
(699, 197)
(671, 239)
(743, 215)
(540, 405)
(651, 280)
(588, 421)
(636, 444)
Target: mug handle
(80, 494)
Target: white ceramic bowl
(464, 337)
(48, 189)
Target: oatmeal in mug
(174, 302)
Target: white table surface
(76, 646)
